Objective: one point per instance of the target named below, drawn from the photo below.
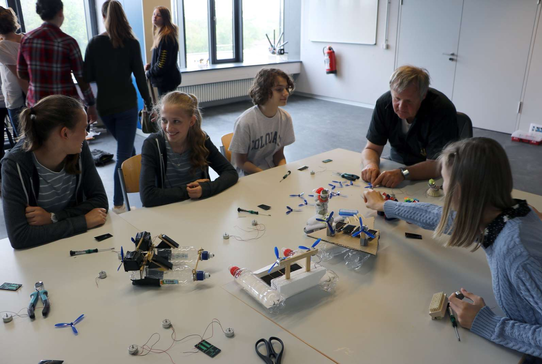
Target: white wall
(363, 71)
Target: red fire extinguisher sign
(329, 60)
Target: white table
(378, 314)
(118, 314)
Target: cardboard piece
(346, 241)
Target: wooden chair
(226, 141)
(129, 177)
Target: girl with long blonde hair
(175, 161)
(479, 211)
(163, 70)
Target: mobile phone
(103, 237)
(413, 236)
(10, 286)
(302, 168)
(327, 160)
(264, 207)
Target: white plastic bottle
(179, 275)
(187, 254)
(256, 287)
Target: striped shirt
(57, 189)
(178, 169)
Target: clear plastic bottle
(178, 275)
(329, 251)
(355, 259)
(186, 254)
(257, 288)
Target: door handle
(451, 59)
(449, 54)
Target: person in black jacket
(175, 161)
(51, 189)
(110, 60)
(163, 71)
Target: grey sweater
(20, 188)
(515, 261)
(153, 172)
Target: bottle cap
(234, 270)
(287, 252)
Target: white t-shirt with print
(10, 86)
(261, 137)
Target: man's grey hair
(406, 76)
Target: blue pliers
(39, 293)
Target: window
(261, 18)
(220, 31)
(75, 20)
(4, 4)
(225, 21)
(196, 27)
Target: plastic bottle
(256, 287)
(287, 252)
(322, 199)
(329, 251)
(187, 254)
(178, 275)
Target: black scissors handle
(270, 350)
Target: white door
(493, 52)
(531, 112)
(428, 38)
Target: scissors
(270, 350)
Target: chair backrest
(131, 169)
(226, 140)
(464, 125)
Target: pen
(286, 175)
(88, 251)
(454, 322)
(251, 212)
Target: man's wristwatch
(405, 172)
(53, 218)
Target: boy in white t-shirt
(261, 132)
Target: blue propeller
(312, 246)
(72, 324)
(362, 229)
(277, 261)
(327, 221)
(121, 257)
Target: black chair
(464, 124)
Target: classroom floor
(321, 126)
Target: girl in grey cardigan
(479, 210)
(175, 161)
(50, 186)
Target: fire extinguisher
(329, 60)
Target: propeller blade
(277, 253)
(62, 324)
(74, 330)
(304, 247)
(273, 266)
(321, 220)
(360, 222)
(330, 215)
(356, 233)
(316, 243)
(369, 234)
(77, 320)
(121, 257)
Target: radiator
(219, 90)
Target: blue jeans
(14, 117)
(123, 128)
